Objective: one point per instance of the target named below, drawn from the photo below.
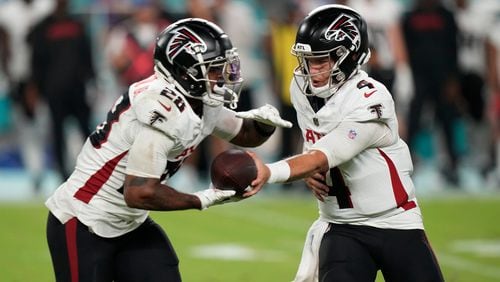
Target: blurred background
(64, 62)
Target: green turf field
(261, 239)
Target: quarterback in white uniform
(354, 161)
(98, 227)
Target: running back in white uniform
(373, 187)
(151, 108)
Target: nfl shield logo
(352, 134)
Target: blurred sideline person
(388, 62)
(354, 161)
(431, 32)
(282, 64)
(98, 227)
(234, 17)
(131, 42)
(30, 113)
(476, 22)
(62, 66)
(494, 105)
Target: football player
(353, 161)
(98, 227)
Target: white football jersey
(94, 191)
(373, 187)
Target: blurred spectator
(319, 2)
(281, 40)
(199, 9)
(238, 20)
(130, 42)
(245, 23)
(62, 67)
(475, 21)
(494, 103)
(430, 33)
(3, 50)
(5, 112)
(17, 17)
(389, 62)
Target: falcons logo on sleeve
(343, 27)
(184, 39)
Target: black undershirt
(316, 103)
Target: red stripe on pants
(70, 227)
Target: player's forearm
(307, 164)
(150, 194)
(298, 167)
(166, 199)
(253, 133)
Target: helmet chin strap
(210, 102)
(208, 98)
(224, 92)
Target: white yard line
(459, 263)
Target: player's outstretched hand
(212, 196)
(262, 176)
(266, 114)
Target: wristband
(280, 172)
(264, 129)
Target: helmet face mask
(332, 74)
(199, 59)
(221, 78)
(335, 32)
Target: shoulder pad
(371, 101)
(159, 110)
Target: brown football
(233, 169)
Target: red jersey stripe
(95, 182)
(397, 187)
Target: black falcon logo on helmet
(184, 39)
(343, 26)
